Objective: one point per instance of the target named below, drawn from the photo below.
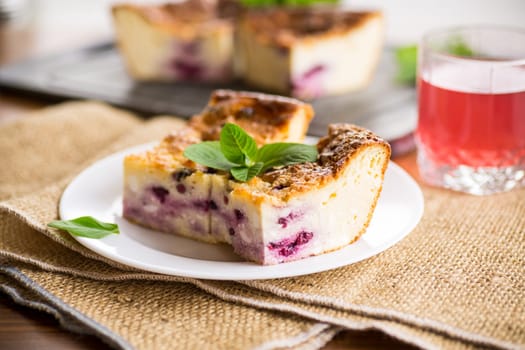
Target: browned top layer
(168, 155)
(187, 12)
(335, 150)
(263, 116)
(177, 141)
(283, 26)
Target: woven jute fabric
(144, 314)
(457, 281)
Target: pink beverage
(471, 124)
(465, 122)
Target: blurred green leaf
(406, 58)
(457, 46)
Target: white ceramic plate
(97, 192)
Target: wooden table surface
(24, 328)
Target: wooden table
(24, 328)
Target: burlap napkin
(456, 281)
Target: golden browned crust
(168, 155)
(284, 26)
(194, 15)
(265, 117)
(336, 151)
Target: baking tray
(97, 72)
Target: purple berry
(231, 231)
(308, 84)
(289, 246)
(303, 237)
(210, 171)
(160, 192)
(314, 71)
(283, 222)
(203, 205)
(181, 188)
(187, 70)
(213, 205)
(287, 251)
(239, 215)
(181, 174)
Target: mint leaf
(406, 58)
(246, 173)
(237, 153)
(208, 153)
(281, 153)
(236, 145)
(86, 226)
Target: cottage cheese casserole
(305, 52)
(285, 214)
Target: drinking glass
(471, 122)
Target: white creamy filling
(351, 60)
(143, 46)
(334, 214)
(151, 53)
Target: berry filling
(182, 174)
(160, 193)
(187, 70)
(284, 221)
(239, 215)
(290, 246)
(308, 84)
(181, 188)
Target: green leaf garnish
(406, 58)
(209, 154)
(281, 153)
(86, 226)
(236, 145)
(243, 173)
(237, 153)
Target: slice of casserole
(309, 52)
(287, 213)
(189, 41)
(165, 191)
(267, 118)
(304, 209)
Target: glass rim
(454, 58)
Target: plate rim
(249, 270)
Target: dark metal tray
(97, 72)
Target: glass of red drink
(471, 124)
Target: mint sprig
(237, 152)
(237, 146)
(86, 226)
